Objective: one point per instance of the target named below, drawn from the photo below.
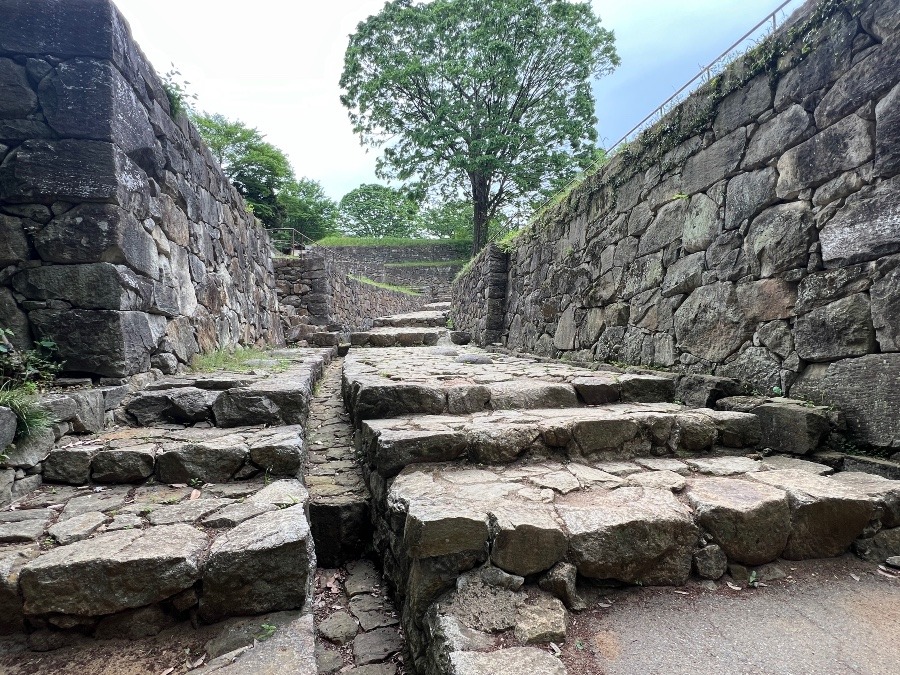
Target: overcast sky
(275, 65)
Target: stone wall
(479, 298)
(394, 264)
(317, 293)
(120, 237)
(753, 232)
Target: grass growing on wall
(338, 241)
(237, 361)
(378, 284)
(428, 263)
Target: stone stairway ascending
(499, 483)
(193, 507)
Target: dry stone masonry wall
(754, 232)
(316, 291)
(120, 237)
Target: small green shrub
(30, 416)
(39, 365)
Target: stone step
(614, 432)
(441, 306)
(394, 382)
(232, 400)
(397, 337)
(89, 559)
(424, 319)
(177, 455)
(648, 522)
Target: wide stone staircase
(495, 492)
(190, 507)
(501, 485)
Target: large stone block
(793, 428)
(865, 229)
(262, 565)
(85, 98)
(836, 331)
(108, 343)
(716, 162)
(826, 516)
(868, 79)
(778, 134)
(630, 534)
(8, 424)
(71, 170)
(779, 239)
(25, 30)
(13, 243)
(747, 195)
(14, 319)
(865, 390)
(887, 134)
(841, 147)
(885, 297)
(94, 286)
(710, 323)
(17, 100)
(750, 521)
(114, 571)
(93, 233)
(527, 540)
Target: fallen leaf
(604, 605)
(195, 494)
(167, 671)
(681, 592)
(556, 650)
(854, 577)
(732, 586)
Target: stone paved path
(339, 501)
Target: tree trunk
(480, 196)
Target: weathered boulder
(864, 388)
(13, 244)
(109, 343)
(630, 534)
(709, 324)
(841, 147)
(864, 229)
(541, 622)
(793, 428)
(886, 492)
(12, 615)
(510, 661)
(113, 571)
(826, 516)
(70, 464)
(124, 465)
(527, 539)
(710, 562)
(30, 450)
(779, 239)
(214, 461)
(702, 391)
(839, 330)
(280, 451)
(749, 521)
(529, 394)
(261, 565)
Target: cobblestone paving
(339, 501)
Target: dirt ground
(827, 617)
(86, 656)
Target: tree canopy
(378, 211)
(263, 175)
(492, 97)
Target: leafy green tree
(447, 220)
(493, 96)
(258, 169)
(378, 211)
(307, 208)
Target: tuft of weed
(31, 418)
